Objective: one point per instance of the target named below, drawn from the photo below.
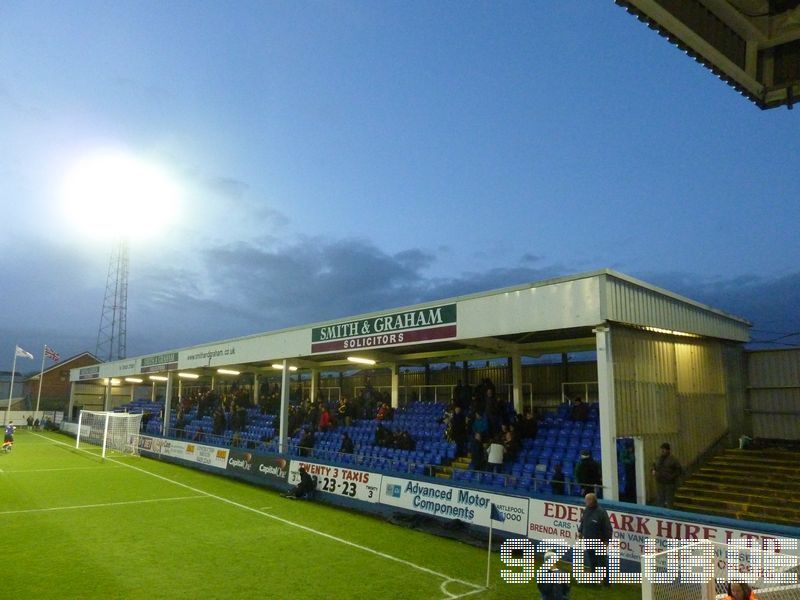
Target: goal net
(704, 570)
(109, 430)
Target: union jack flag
(52, 354)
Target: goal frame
(131, 448)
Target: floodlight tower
(112, 337)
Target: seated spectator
(307, 443)
(347, 446)
(383, 437)
(580, 410)
(199, 435)
(304, 489)
(404, 441)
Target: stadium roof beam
(752, 45)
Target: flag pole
(11, 387)
(489, 553)
(41, 375)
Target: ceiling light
(280, 367)
(158, 378)
(189, 375)
(227, 372)
(133, 380)
(361, 361)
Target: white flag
(23, 353)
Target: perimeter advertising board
(470, 506)
(339, 481)
(556, 520)
(257, 468)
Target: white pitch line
(61, 469)
(82, 506)
(476, 588)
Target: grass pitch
(77, 526)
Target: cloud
(212, 291)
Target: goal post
(110, 431)
(703, 569)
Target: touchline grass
(76, 526)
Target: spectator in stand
(404, 441)
(180, 423)
(307, 443)
(199, 435)
(382, 413)
(594, 525)
(580, 411)
(461, 396)
(477, 453)
(219, 420)
(740, 591)
(528, 427)
(511, 443)
(347, 446)
(305, 488)
(495, 458)
(344, 411)
(241, 412)
(480, 424)
(666, 470)
(458, 430)
(588, 474)
(558, 482)
(324, 419)
(383, 437)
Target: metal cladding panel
(669, 390)
(775, 413)
(574, 303)
(774, 368)
(774, 393)
(637, 304)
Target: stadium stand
(760, 485)
(559, 439)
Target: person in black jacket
(551, 590)
(303, 489)
(588, 474)
(595, 525)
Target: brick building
(55, 384)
